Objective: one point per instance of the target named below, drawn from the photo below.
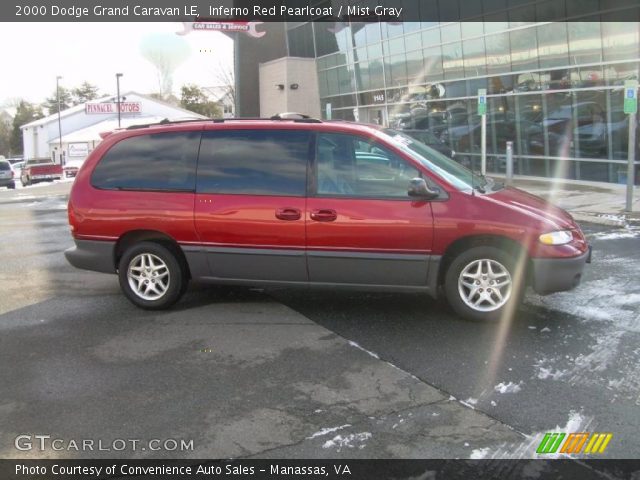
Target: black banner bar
(318, 469)
(325, 10)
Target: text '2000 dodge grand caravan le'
(304, 202)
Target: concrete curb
(599, 219)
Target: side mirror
(418, 188)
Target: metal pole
(631, 161)
(483, 146)
(59, 121)
(118, 75)
(509, 163)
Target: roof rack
(166, 121)
(286, 117)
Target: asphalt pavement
(300, 374)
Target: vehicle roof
(253, 123)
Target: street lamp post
(58, 78)
(118, 75)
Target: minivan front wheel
(482, 283)
(151, 276)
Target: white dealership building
(82, 125)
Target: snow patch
(325, 431)
(627, 232)
(479, 453)
(347, 441)
(508, 387)
(544, 373)
(470, 402)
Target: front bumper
(551, 275)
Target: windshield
(451, 171)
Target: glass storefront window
(394, 47)
(333, 86)
(413, 42)
(431, 37)
(474, 57)
(528, 122)
(495, 23)
(322, 83)
(452, 63)
(553, 49)
(590, 135)
(618, 123)
(585, 42)
(300, 41)
(620, 40)
(472, 29)
(362, 75)
(474, 85)
(374, 51)
(376, 73)
(497, 84)
(415, 67)
(498, 55)
(558, 122)
(524, 49)
(618, 73)
(390, 30)
(396, 70)
(432, 63)
(345, 79)
(326, 41)
(450, 33)
(546, 83)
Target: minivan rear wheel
(482, 284)
(151, 276)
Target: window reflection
(555, 87)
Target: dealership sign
(228, 27)
(106, 108)
(78, 149)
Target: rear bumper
(7, 181)
(551, 275)
(92, 255)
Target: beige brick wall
(287, 71)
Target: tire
(137, 267)
(478, 299)
(11, 186)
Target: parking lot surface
(299, 374)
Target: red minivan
(303, 202)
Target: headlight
(561, 237)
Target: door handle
(288, 213)
(324, 215)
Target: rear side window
(254, 162)
(158, 162)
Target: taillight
(72, 218)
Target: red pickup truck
(40, 170)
